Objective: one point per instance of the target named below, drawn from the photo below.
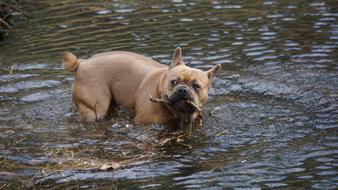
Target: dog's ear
(213, 72)
(177, 58)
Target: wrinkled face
(186, 84)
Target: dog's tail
(70, 62)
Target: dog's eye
(173, 82)
(196, 87)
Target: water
(271, 120)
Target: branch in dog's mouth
(164, 101)
(158, 100)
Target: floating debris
(7, 11)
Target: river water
(271, 120)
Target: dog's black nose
(182, 91)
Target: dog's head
(187, 88)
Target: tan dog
(131, 80)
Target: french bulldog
(157, 93)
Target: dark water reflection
(271, 121)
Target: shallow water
(271, 120)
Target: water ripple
(26, 85)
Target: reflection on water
(271, 121)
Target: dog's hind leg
(87, 114)
(101, 107)
(95, 112)
(91, 107)
(92, 99)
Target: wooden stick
(193, 104)
(158, 100)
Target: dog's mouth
(180, 105)
(184, 105)
(182, 99)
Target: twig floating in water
(5, 23)
(12, 7)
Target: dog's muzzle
(181, 97)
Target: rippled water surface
(271, 120)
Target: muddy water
(271, 120)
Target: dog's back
(105, 77)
